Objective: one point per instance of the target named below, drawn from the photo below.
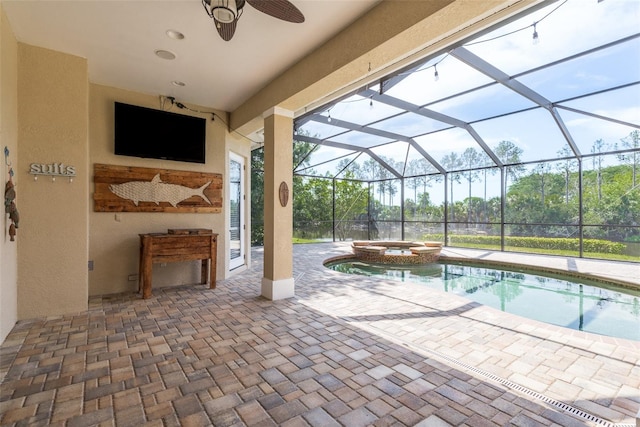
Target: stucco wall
(9, 139)
(114, 241)
(52, 128)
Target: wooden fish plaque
(134, 189)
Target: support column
(277, 282)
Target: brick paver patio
(345, 351)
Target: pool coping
(516, 265)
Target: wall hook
(7, 162)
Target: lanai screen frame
(366, 138)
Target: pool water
(573, 303)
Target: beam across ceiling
(386, 39)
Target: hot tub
(397, 252)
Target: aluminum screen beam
(384, 134)
(407, 106)
(501, 77)
(342, 145)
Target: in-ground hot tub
(397, 252)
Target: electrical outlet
(132, 277)
(163, 264)
(91, 265)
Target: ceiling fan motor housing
(226, 11)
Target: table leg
(204, 271)
(140, 269)
(146, 266)
(213, 265)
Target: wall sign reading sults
(53, 170)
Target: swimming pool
(569, 302)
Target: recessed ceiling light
(165, 54)
(175, 34)
(178, 83)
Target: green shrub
(558, 243)
(257, 235)
(603, 246)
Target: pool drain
(507, 383)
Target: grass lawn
(300, 240)
(558, 252)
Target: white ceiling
(119, 39)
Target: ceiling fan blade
(281, 9)
(226, 30)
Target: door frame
(242, 259)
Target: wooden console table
(177, 245)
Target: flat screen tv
(156, 134)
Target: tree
(618, 206)
(566, 167)
(597, 148)
(470, 159)
(509, 154)
(349, 166)
(300, 155)
(257, 197)
(370, 169)
(475, 208)
(538, 198)
(351, 199)
(631, 141)
(382, 174)
(312, 206)
(494, 209)
(311, 196)
(412, 183)
(542, 169)
(416, 170)
(451, 162)
(485, 172)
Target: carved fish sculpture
(157, 191)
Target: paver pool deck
(345, 351)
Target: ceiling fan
(225, 13)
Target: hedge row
(567, 244)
